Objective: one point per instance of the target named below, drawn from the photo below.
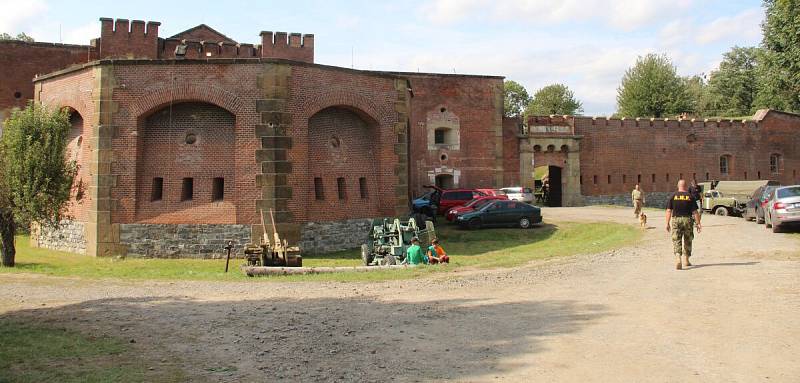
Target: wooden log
(253, 271)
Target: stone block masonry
(326, 237)
(69, 236)
(182, 241)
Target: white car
(518, 193)
(783, 208)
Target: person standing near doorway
(681, 208)
(637, 196)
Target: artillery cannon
(388, 240)
(275, 252)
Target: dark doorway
(554, 180)
(445, 181)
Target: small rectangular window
(745, 176)
(666, 177)
(609, 178)
(624, 178)
(759, 174)
(774, 163)
(653, 178)
(594, 179)
(187, 191)
(157, 193)
(581, 179)
(362, 187)
(341, 188)
(638, 178)
(438, 136)
(218, 189)
(707, 176)
(723, 165)
(319, 191)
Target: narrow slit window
(341, 188)
(638, 178)
(653, 178)
(362, 187)
(594, 179)
(157, 193)
(609, 178)
(624, 178)
(666, 177)
(218, 189)
(319, 191)
(187, 191)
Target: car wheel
(524, 223)
(365, 255)
(721, 211)
(474, 223)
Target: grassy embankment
(483, 249)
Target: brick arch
(158, 97)
(343, 99)
(72, 101)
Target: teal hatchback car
(502, 213)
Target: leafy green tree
(699, 98)
(20, 36)
(652, 88)
(515, 98)
(733, 87)
(37, 179)
(780, 78)
(554, 99)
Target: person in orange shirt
(436, 253)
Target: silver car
(783, 208)
(517, 193)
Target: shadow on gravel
(326, 339)
(697, 266)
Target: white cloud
(82, 34)
(623, 15)
(746, 24)
(15, 14)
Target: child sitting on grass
(436, 253)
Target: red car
(444, 199)
(476, 203)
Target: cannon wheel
(389, 259)
(366, 255)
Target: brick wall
(477, 103)
(656, 153)
(187, 140)
(21, 61)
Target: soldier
(681, 207)
(637, 196)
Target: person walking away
(637, 196)
(414, 254)
(436, 253)
(681, 208)
(694, 190)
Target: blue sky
(585, 44)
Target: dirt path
(623, 316)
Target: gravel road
(621, 316)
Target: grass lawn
(40, 353)
(481, 248)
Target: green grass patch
(479, 248)
(37, 353)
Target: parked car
(501, 213)
(754, 211)
(439, 201)
(783, 208)
(729, 197)
(475, 204)
(489, 192)
(518, 193)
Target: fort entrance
(554, 150)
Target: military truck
(729, 197)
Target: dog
(643, 220)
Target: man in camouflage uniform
(681, 207)
(637, 196)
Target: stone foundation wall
(326, 237)
(652, 199)
(69, 236)
(183, 240)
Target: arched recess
(185, 164)
(343, 160)
(77, 150)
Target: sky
(584, 44)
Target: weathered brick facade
(205, 142)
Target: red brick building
(183, 141)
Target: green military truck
(729, 197)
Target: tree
(20, 36)
(699, 99)
(780, 78)
(733, 87)
(554, 99)
(515, 98)
(37, 179)
(652, 88)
